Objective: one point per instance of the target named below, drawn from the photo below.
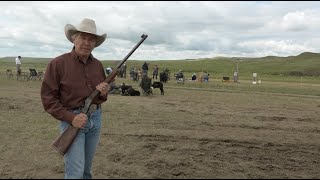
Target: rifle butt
(65, 139)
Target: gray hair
(73, 37)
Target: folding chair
(33, 74)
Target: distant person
(124, 71)
(194, 77)
(114, 89)
(132, 72)
(138, 74)
(109, 70)
(163, 77)
(69, 79)
(155, 72)
(18, 64)
(145, 68)
(179, 74)
(205, 76)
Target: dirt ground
(183, 134)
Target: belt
(92, 107)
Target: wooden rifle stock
(65, 139)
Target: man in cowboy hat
(69, 79)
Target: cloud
(295, 21)
(272, 47)
(176, 29)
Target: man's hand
(103, 88)
(80, 120)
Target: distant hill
(304, 64)
(304, 55)
(308, 55)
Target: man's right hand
(80, 120)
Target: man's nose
(87, 41)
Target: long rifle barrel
(144, 36)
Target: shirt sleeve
(100, 99)
(50, 95)
(103, 98)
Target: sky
(176, 29)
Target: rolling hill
(304, 64)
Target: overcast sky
(176, 30)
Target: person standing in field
(205, 76)
(124, 70)
(145, 68)
(138, 74)
(109, 70)
(155, 72)
(69, 79)
(18, 64)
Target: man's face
(84, 43)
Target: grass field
(196, 130)
(291, 68)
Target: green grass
(290, 68)
(270, 68)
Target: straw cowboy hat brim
(86, 26)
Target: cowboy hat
(87, 26)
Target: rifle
(63, 142)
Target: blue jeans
(79, 157)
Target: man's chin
(85, 53)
